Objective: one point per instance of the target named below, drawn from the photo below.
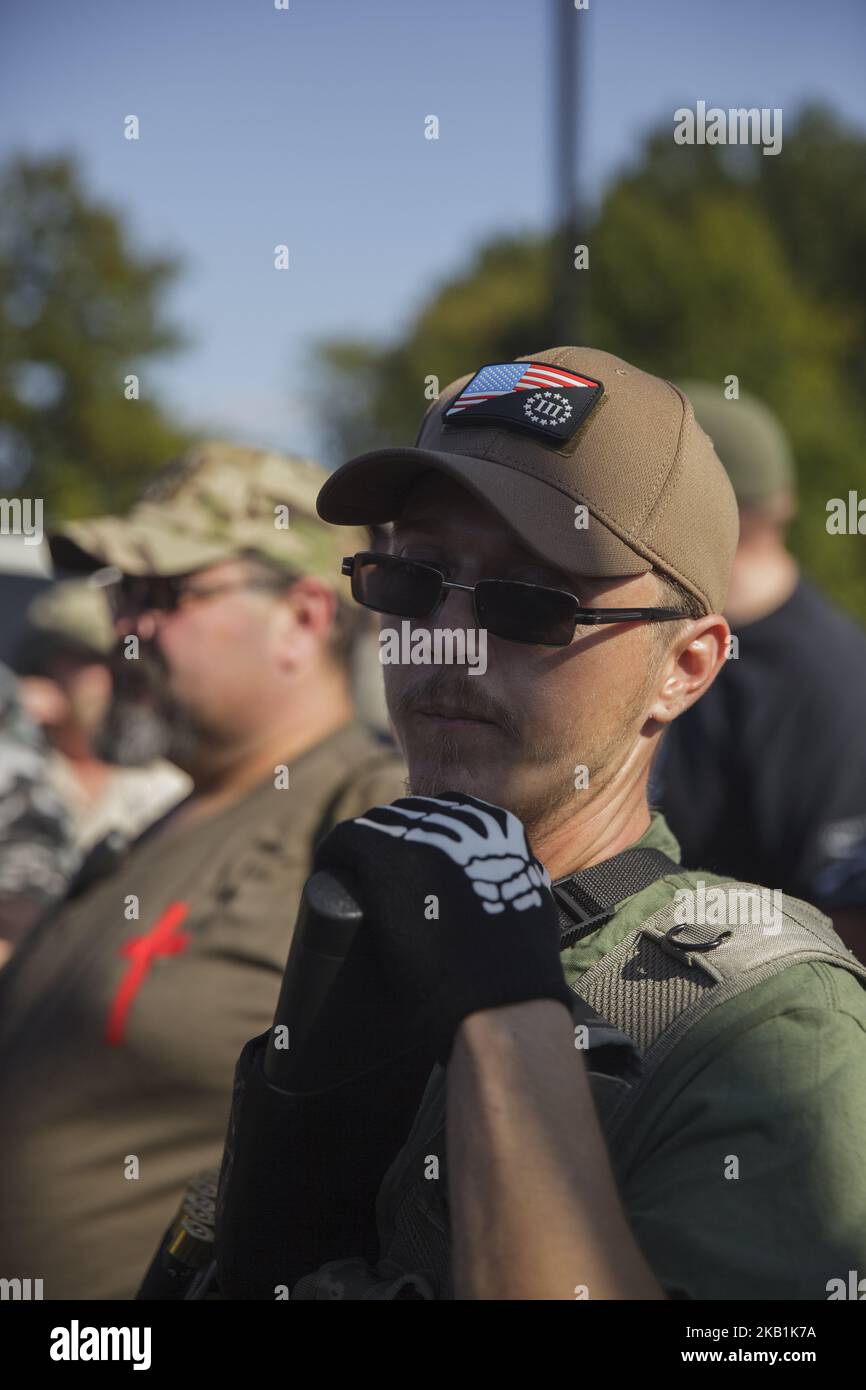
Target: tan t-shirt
(122, 1018)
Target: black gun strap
(588, 899)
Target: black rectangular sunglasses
(132, 594)
(505, 607)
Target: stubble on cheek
(534, 776)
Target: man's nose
(457, 610)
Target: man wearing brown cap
(696, 1127)
(766, 778)
(122, 1014)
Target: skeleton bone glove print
(460, 908)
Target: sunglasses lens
(136, 594)
(399, 587)
(525, 613)
(127, 596)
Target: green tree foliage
(79, 312)
(704, 262)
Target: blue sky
(306, 127)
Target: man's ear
(308, 611)
(690, 666)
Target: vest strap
(589, 898)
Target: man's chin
(431, 774)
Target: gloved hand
(461, 909)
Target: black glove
(492, 936)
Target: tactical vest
(648, 992)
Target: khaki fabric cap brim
(135, 547)
(373, 488)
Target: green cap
(75, 610)
(748, 439)
(212, 503)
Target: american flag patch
(536, 396)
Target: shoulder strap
(665, 977)
(588, 899)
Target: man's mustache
(455, 692)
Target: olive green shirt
(742, 1171)
(744, 1174)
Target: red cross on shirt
(163, 939)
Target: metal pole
(569, 287)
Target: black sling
(591, 897)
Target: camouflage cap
(214, 502)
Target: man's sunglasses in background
(505, 607)
(131, 595)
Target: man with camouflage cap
(654, 1080)
(121, 1017)
(766, 778)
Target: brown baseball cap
(560, 430)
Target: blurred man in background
(37, 854)
(765, 777)
(65, 664)
(122, 1017)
